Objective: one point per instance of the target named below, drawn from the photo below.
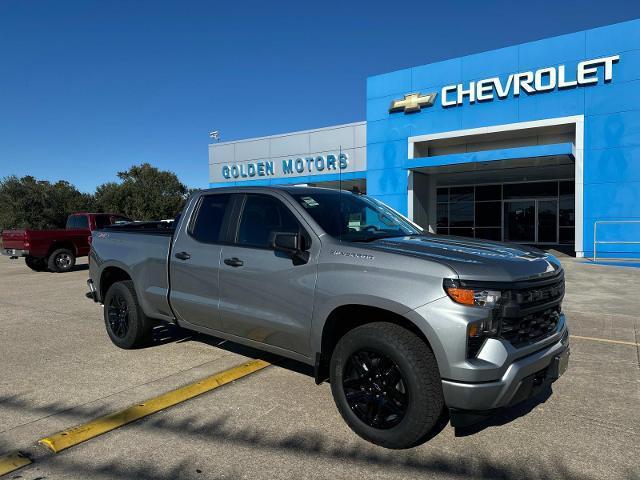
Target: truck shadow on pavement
(301, 446)
(167, 333)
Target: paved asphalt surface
(59, 369)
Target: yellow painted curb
(12, 462)
(87, 431)
(605, 340)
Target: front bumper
(14, 252)
(524, 378)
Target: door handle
(233, 262)
(183, 255)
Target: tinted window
(443, 194)
(263, 216)
(489, 192)
(207, 226)
(78, 221)
(531, 190)
(461, 214)
(461, 194)
(102, 221)
(488, 214)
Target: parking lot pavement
(59, 369)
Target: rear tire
(397, 400)
(36, 264)
(61, 260)
(127, 325)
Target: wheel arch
(109, 276)
(57, 244)
(345, 318)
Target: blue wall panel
(611, 116)
(620, 37)
(616, 165)
(489, 64)
(552, 51)
(613, 130)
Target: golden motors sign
(309, 165)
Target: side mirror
(285, 242)
(289, 243)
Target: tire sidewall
(394, 437)
(129, 340)
(36, 264)
(53, 265)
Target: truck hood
(475, 259)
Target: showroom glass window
(528, 212)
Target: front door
(520, 221)
(264, 296)
(531, 221)
(547, 217)
(195, 261)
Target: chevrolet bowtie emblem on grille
(413, 102)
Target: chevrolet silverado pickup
(56, 250)
(407, 326)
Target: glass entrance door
(531, 221)
(547, 213)
(520, 221)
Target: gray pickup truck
(406, 326)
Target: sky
(89, 88)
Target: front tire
(61, 260)
(36, 264)
(127, 325)
(386, 385)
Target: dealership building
(537, 143)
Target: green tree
(30, 203)
(143, 193)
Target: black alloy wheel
(118, 314)
(386, 384)
(375, 389)
(127, 325)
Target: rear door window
(102, 221)
(207, 225)
(77, 222)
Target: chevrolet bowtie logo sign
(413, 102)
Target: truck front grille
(532, 312)
(530, 328)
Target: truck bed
(143, 248)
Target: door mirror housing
(290, 244)
(286, 242)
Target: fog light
(476, 336)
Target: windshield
(354, 218)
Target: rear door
(263, 296)
(195, 260)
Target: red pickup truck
(57, 250)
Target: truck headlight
(476, 297)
